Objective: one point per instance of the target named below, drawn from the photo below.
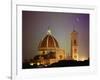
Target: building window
(43, 53)
(60, 56)
(75, 50)
(74, 42)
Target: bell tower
(74, 45)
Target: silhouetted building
(49, 50)
(74, 45)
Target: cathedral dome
(48, 42)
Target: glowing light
(46, 65)
(49, 31)
(38, 63)
(31, 64)
(83, 59)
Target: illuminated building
(49, 50)
(74, 45)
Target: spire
(73, 27)
(49, 31)
(75, 22)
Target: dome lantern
(49, 31)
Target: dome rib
(48, 42)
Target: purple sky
(35, 26)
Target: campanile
(74, 45)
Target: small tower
(74, 45)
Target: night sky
(35, 26)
